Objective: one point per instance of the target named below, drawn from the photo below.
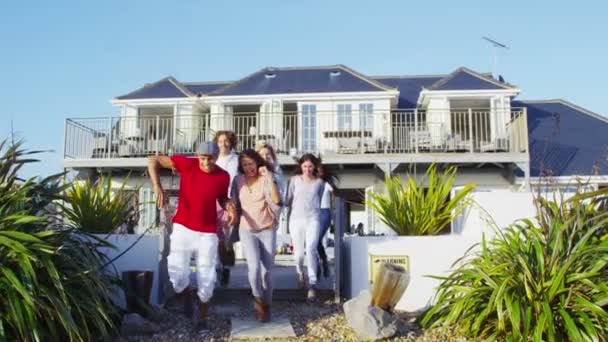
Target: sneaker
(300, 282)
(312, 294)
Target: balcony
(456, 135)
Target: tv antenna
(496, 45)
(12, 133)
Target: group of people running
(226, 197)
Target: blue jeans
(325, 219)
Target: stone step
(279, 327)
(226, 295)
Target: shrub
(543, 279)
(95, 208)
(412, 209)
(52, 287)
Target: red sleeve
(182, 163)
(223, 193)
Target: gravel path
(319, 321)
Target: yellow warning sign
(376, 260)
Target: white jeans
(305, 236)
(184, 242)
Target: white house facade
(362, 126)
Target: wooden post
(389, 285)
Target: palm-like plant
(51, 283)
(95, 208)
(412, 209)
(538, 280)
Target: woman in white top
(303, 196)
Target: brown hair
(229, 134)
(253, 155)
(311, 158)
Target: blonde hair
(263, 144)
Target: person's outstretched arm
(154, 165)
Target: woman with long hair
(267, 153)
(257, 197)
(303, 196)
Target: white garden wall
(144, 256)
(433, 255)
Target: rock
(135, 324)
(369, 322)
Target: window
(345, 117)
(366, 117)
(309, 127)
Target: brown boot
(266, 313)
(187, 299)
(202, 323)
(259, 308)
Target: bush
(95, 208)
(52, 287)
(543, 279)
(412, 209)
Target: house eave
(151, 101)
(425, 93)
(389, 94)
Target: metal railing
(345, 132)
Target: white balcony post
(472, 145)
(257, 129)
(361, 139)
(65, 138)
(109, 142)
(174, 130)
(415, 130)
(156, 141)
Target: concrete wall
(144, 256)
(497, 207)
(433, 255)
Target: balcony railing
(402, 131)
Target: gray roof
(565, 139)
(323, 79)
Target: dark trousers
(325, 219)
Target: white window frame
(345, 116)
(366, 117)
(309, 130)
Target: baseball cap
(208, 148)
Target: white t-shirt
(326, 198)
(230, 164)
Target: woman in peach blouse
(256, 194)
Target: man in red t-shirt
(202, 185)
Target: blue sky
(65, 59)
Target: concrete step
(228, 295)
